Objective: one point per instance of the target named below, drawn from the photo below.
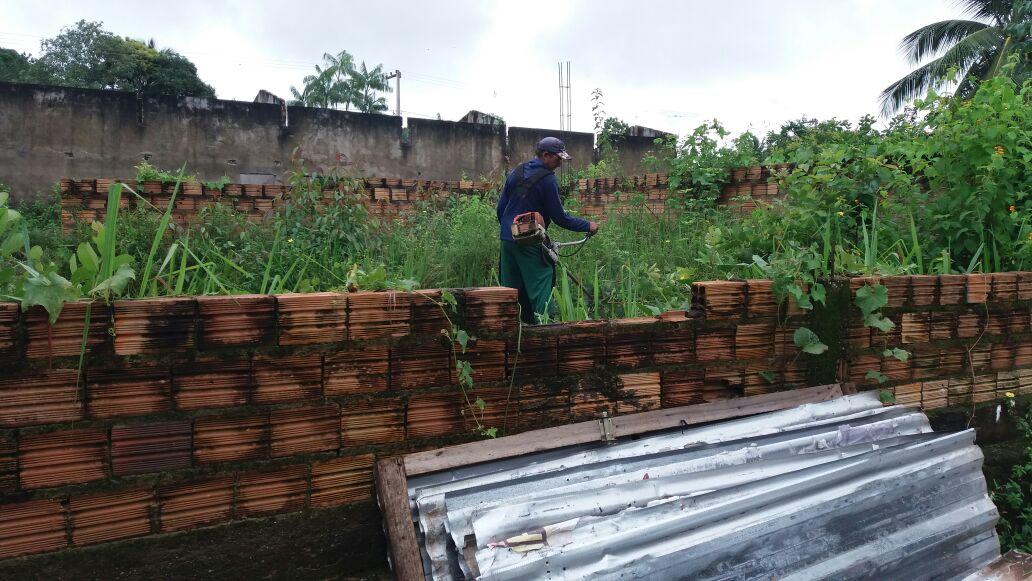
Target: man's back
(541, 196)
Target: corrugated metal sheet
(841, 489)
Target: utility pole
(396, 75)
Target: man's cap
(553, 145)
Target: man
(532, 187)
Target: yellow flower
(290, 240)
(999, 150)
(1009, 394)
(840, 214)
(1012, 209)
(1030, 235)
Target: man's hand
(592, 228)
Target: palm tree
(340, 71)
(366, 83)
(976, 49)
(316, 90)
(340, 83)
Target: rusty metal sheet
(835, 490)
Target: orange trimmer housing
(529, 228)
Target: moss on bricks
(828, 322)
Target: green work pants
(528, 270)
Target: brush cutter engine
(529, 229)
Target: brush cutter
(529, 229)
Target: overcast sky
(752, 64)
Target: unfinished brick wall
(85, 200)
(968, 337)
(199, 411)
(746, 188)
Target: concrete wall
(47, 133)
(446, 150)
(523, 144)
(631, 151)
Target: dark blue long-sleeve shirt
(542, 198)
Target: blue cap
(553, 145)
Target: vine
(870, 299)
(458, 342)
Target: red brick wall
(198, 411)
(86, 199)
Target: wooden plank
(584, 432)
(505, 447)
(392, 496)
(721, 410)
(1013, 566)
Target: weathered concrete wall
(631, 151)
(447, 150)
(47, 133)
(523, 142)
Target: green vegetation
(943, 190)
(978, 49)
(90, 57)
(342, 83)
(1014, 496)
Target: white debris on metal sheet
(841, 489)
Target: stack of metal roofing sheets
(841, 489)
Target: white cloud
(662, 63)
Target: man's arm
(555, 212)
(503, 200)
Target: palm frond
(934, 38)
(981, 46)
(997, 11)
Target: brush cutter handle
(574, 243)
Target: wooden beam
(629, 425)
(632, 424)
(392, 496)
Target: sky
(670, 65)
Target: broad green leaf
(462, 337)
(896, 352)
(465, 373)
(871, 298)
(876, 375)
(818, 292)
(12, 244)
(50, 291)
(449, 299)
(767, 375)
(480, 403)
(801, 298)
(87, 256)
(808, 341)
(879, 322)
(8, 217)
(115, 285)
(489, 432)
(886, 396)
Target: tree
(366, 84)
(340, 84)
(977, 49)
(14, 66)
(88, 56)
